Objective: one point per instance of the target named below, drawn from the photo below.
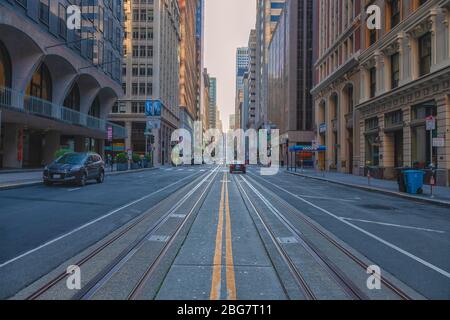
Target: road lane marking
(231, 278)
(393, 225)
(90, 223)
(367, 233)
(74, 189)
(217, 264)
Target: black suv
(75, 168)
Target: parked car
(75, 168)
(242, 168)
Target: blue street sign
(153, 108)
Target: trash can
(414, 181)
(401, 178)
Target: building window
(40, 85)
(373, 81)
(94, 111)
(62, 18)
(395, 70)
(44, 11)
(425, 54)
(395, 12)
(5, 67)
(72, 100)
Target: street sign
(431, 123)
(438, 142)
(152, 124)
(153, 108)
(323, 128)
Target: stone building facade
(405, 78)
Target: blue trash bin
(414, 181)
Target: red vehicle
(241, 168)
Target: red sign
(20, 145)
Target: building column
(329, 136)
(342, 134)
(443, 124)
(51, 145)
(129, 127)
(385, 146)
(434, 44)
(407, 139)
(362, 147)
(12, 145)
(379, 65)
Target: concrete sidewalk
(18, 179)
(441, 195)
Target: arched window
(5, 67)
(72, 100)
(40, 85)
(94, 111)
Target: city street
(200, 233)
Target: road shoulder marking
(393, 225)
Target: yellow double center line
(217, 268)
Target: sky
(227, 27)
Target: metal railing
(43, 108)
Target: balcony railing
(32, 105)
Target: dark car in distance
(75, 168)
(242, 168)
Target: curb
(377, 190)
(36, 183)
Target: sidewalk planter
(414, 181)
(122, 167)
(135, 166)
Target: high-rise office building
(212, 103)
(57, 85)
(290, 107)
(252, 48)
(242, 65)
(267, 16)
(190, 70)
(150, 72)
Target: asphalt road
(41, 227)
(224, 237)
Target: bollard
(368, 177)
(432, 184)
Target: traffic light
(152, 139)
